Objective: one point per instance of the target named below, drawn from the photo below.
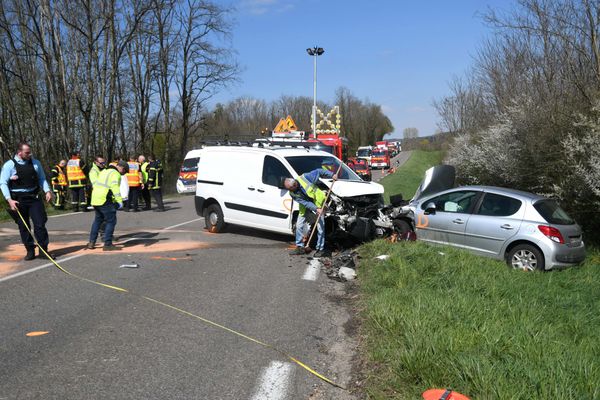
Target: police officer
(155, 178)
(20, 181)
(306, 193)
(106, 199)
(58, 178)
(77, 182)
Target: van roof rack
(262, 143)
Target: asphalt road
(401, 158)
(103, 344)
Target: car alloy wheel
(525, 260)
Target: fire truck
(331, 143)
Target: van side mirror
(430, 209)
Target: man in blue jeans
(106, 199)
(306, 193)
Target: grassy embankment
(438, 317)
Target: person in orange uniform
(135, 181)
(77, 182)
(59, 184)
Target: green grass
(457, 320)
(408, 177)
(470, 323)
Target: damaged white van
(243, 185)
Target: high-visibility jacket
(144, 170)
(155, 175)
(134, 176)
(94, 173)
(312, 191)
(75, 174)
(107, 187)
(58, 177)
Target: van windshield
(190, 164)
(363, 153)
(379, 153)
(303, 164)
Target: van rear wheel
(213, 219)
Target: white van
(186, 182)
(244, 186)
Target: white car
(243, 185)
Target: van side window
(273, 171)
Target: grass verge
(407, 178)
(439, 317)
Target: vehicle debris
(133, 265)
(382, 257)
(342, 267)
(346, 274)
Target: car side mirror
(430, 209)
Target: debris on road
(342, 267)
(382, 257)
(133, 265)
(346, 274)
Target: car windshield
(190, 165)
(364, 153)
(379, 153)
(303, 164)
(551, 212)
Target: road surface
(103, 344)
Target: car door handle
(507, 227)
(458, 221)
(251, 188)
(261, 190)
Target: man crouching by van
(305, 191)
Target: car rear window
(552, 213)
(498, 206)
(190, 164)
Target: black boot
(30, 254)
(46, 253)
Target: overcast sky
(400, 54)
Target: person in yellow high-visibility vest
(135, 180)
(106, 199)
(58, 178)
(77, 182)
(144, 167)
(305, 192)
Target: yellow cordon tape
(207, 321)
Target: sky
(400, 54)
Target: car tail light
(551, 233)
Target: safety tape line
(205, 320)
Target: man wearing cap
(305, 192)
(21, 181)
(106, 199)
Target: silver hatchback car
(530, 232)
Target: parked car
(186, 182)
(243, 185)
(529, 231)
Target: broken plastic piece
(347, 274)
(134, 265)
(382, 257)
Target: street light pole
(315, 52)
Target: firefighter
(59, 184)
(77, 182)
(134, 179)
(145, 192)
(106, 199)
(306, 193)
(155, 180)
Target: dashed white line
(274, 382)
(312, 271)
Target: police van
(243, 185)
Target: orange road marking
(36, 333)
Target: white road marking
(274, 381)
(183, 223)
(312, 271)
(40, 267)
